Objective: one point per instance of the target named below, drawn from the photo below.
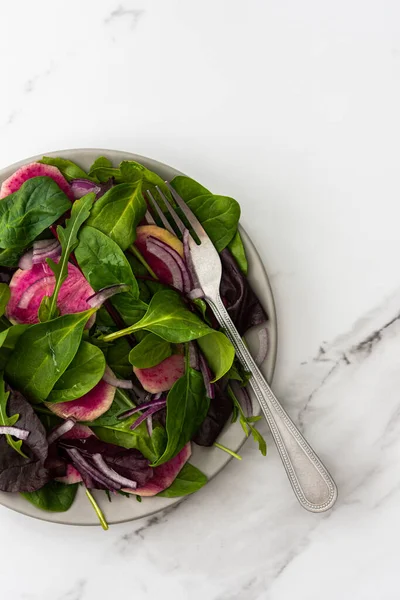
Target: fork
(311, 482)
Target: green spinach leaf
(7, 421)
(29, 211)
(118, 213)
(68, 168)
(189, 480)
(187, 406)
(68, 238)
(118, 358)
(102, 169)
(4, 297)
(53, 497)
(167, 317)
(9, 257)
(8, 341)
(84, 372)
(131, 310)
(43, 352)
(150, 351)
(135, 172)
(218, 351)
(238, 252)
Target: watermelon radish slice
(13, 183)
(80, 432)
(164, 475)
(159, 267)
(163, 376)
(89, 406)
(28, 288)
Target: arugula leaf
(53, 497)
(119, 212)
(43, 352)
(187, 406)
(102, 169)
(150, 352)
(25, 214)
(167, 317)
(68, 238)
(8, 421)
(218, 351)
(102, 261)
(68, 168)
(84, 372)
(4, 297)
(189, 480)
(238, 373)
(238, 252)
(246, 423)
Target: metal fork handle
(313, 485)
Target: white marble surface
(293, 108)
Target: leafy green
(84, 372)
(237, 249)
(9, 257)
(4, 297)
(218, 351)
(68, 168)
(7, 421)
(131, 310)
(189, 480)
(187, 406)
(102, 261)
(8, 341)
(167, 317)
(102, 169)
(118, 213)
(135, 172)
(29, 211)
(53, 496)
(150, 352)
(43, 352)
(247, 423)
(68, 238)
(118, 358)
(219, 215)
(238, 373)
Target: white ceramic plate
(209, 460)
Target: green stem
(133, 250)
(98, 510)
(117, 334)
(227, 450)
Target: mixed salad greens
(111, 364)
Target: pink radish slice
(88, 407)
(28, 288)
(77, 432)
(164, 475)
(163, 376)
(14, 182)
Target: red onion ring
(26, 260)
(60, 430)
(186, 281)
(21, 434)
(109, 377)
(102, 295)
(205, 371)
(108, 472)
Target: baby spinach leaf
(218, 351)
(102, 169)
(189, 480)
(118, 358)
(187, 406)
(68, 168)
(238, 252)
(53, 497)
(150, 351)
(188, 188)
(43, 352)
(8, 340)
(167, 317)
(131, 310)
(135, 172)
(102, 261)
(4, 297)
(84, 372)
(9, 257)
(29, 211)
(118, 213)
(68, 238)
(7, 421)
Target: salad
(111, 364)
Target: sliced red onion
(52, 249)
(152, 241)
(31, 291)
(196, 293)
(193, 356)
(205, 371)
(170, 263)
(82, 464)
(147, 414)
(243, 397)
(157, 396)
(26, 260)
(263, 346)
(149, 425)
(81, 187)
(102, 295)
(21, 434)
(60, 430)
(43, 246)
(152, 403)
(108, 472)
(109, 377)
